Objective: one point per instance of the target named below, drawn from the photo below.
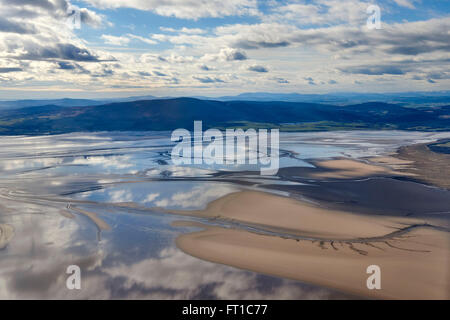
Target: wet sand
(429, 166)
(334, 249)
(405, 274)
(291, 216)
(6, 234)
(348, 168)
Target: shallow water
(48, 183)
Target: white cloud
(295, 38)
(186, 9)
(405, 3)
(125, 39)
(116, 41)
(184, 30)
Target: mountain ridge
(170, 114)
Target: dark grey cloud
(258, 69)
(280, 80)
(71, 66)
(16, 27)
(66, 65)
(44, 4)
(311, 81)
(144, 74)
(59, 9)
(159, 74)
(208, 80)
(6, 70)
(62, 51)
(332, 82)
(105, 72)
(406, 39)
(248, 44)
(376, 70)
(439, 75)
(417, 49)
(235, 55)
(204, 67)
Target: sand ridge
(346, 245)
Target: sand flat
(404, 274)
(294, 216)
(100, 223)
(6, 234)
(349, 168)
(336, 250)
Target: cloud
(280, 80)
(184, 9)
(204, 67)
(7, 70)
(295, 38)
(114, 40)
(143, 39)
(15, 27)
(310, 81)
(144, 74)
(64, 51)
(36, 33)
(374, 70)
(229, 54)
(159, 74)
(183, 30)
(319, 12)
(405, 3)
(408, 38)
(208, 79)
(64, 65)
(57, 9)
(257, 68)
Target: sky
(117, 48)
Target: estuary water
(81, 199)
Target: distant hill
(415, 99)
(343, 98)
(170, 114)
(17, 104)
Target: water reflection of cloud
(151, 197)
(120, 196)
(175, 275)
(199, 196)
(34, 266)
(17, 164)
(116, 162)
